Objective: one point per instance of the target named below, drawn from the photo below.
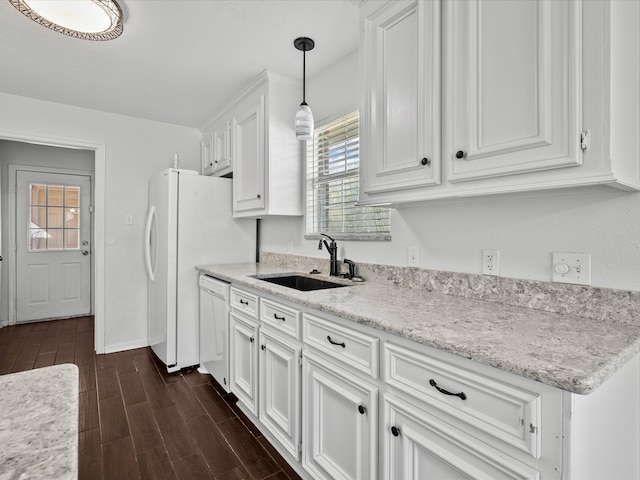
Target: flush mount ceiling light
(304, 117)
(86, 19)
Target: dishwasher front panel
(214, 333)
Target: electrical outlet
(290, 247)
(413, 256)
(491, 262)
(572, 268)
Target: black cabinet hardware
(263, 347)
(362, 409)
(460, 154)
(242, 302)
(433, 383)
(275, 315)
(340, 344)
(395, 431)
(425, 161)
(251, 339)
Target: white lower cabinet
(340, 421)
(417, 444)
(280, 388)
(243, 361)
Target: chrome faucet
(332, 248)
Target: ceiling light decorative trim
(110, 7)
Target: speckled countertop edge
(572, 353)
(39, 423)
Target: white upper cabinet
(470, 97)
(401, 96)
(253, 139)
(513, 106)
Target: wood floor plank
(84, 355)
(145, 365)
(248, 448)
(282, 463)
(45, 360)
(88, 411)
(177, 437)
(131, 387)
(67, 337)
(108, 384)
(192, 467)
(113, 420)
(238, 473)
(49, 344)
(66, 353)
(215, 450)
(154, 464)
(213, 403)
(144, 430)
(86, 377)
(156, 391)
(186, 401)
(119, 461)
(89, 455)
(123, 362)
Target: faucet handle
(352, 267)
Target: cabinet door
(280, 375)
(222, 148)
(249, 158)
(339, 423)
(243, 363)
(400, 122)
(419, 445)
(206, 153)
(513, 106)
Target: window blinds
(333, 158)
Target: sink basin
(299, 282)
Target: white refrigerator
(189, 223)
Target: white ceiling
(177, 61)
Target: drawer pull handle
(242, 302)
(340, 344)
(275, 315)
(362, 409)
(395, 431)
(433, 383)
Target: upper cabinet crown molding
(475, 97)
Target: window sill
(352, 237)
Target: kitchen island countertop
(569, 352)
(39, 423)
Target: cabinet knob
(362, 409)
(395, 431)
(263, 347)
(251, 339)
(460, 154)
(425, 161)
(259, 196)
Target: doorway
(53, 244)
(97, 155)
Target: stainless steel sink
(299, 282)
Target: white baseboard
(119, 347)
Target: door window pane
(54, 217)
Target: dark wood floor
(139, 422)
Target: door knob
(85, 252)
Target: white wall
(451, 235)
(135, 149)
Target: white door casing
(53, 245)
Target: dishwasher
(214, 322)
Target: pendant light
(86, 19)
(304, 117)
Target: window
(54, 222)
(333, 174)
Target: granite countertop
(572, 353)
(39, 424)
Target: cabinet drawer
(244, 302)
(481, 404)
(350, 346)
(281, 317)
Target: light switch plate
(571, 268)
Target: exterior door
(53, 245)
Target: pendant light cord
(304, 75)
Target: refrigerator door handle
(147, 243)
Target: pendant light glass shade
(304, 117)
(304, 122)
